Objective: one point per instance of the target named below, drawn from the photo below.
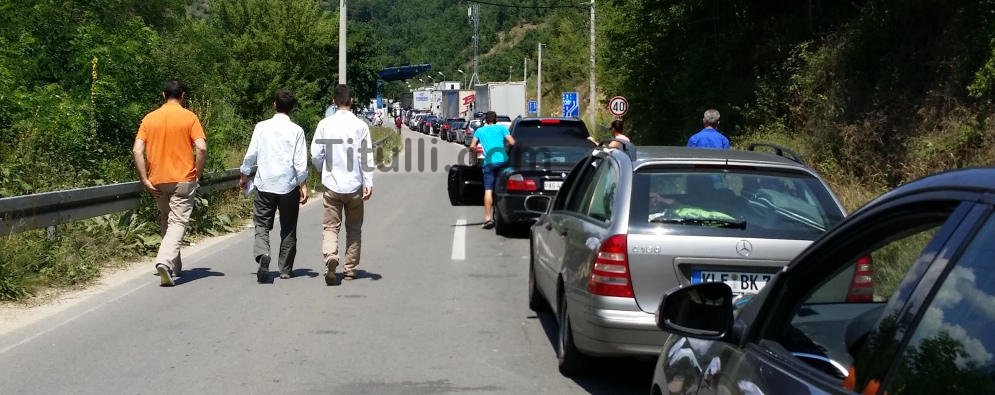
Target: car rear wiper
(720, 223)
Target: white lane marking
(459, 240)
(63, 323)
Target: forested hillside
(874, 93)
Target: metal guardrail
(21, 213)
(27, 212)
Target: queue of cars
(739, 272)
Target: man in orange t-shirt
(170, 150)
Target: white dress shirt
(341, 149)
(279, 152)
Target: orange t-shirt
(169, 133)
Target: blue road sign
(533, 106)
(571, 106)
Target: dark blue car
(899, 298)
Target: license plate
(552, 185)
(740, 282)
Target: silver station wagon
(621, 232)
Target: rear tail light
(862, 286)
(518, 183)
(549, 121)
(610, 275)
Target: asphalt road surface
(441, 308)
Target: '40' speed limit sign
(618, 106)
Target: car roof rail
(781, 151)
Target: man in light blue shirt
(492, 138)
(279, 153)
(709, 137)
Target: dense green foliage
(872, 92)
(76, 78)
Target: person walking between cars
(278, 151)
(492, 137)
(397, 123)
(170, 172)
(709, 136)
(341, 149)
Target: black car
(899, 298)
(430, 125)
(450, 127)
(545, 151)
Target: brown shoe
(331, 279)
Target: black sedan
(899, 298)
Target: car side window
(953, 347)
(844, 307)
(580, 194)
(603, 193)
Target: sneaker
(331, 279)
(350, 275)
(286, 275)
(165, 275)
(488, 224)
(262, 275)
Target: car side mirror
(702, 311)
(537, 204)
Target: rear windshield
(503, 118)
(742, 203)
(572, 130)
(547, 156)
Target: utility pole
(475, 19)
(525, 70)
(342, 41)
(539, 84)
(594, 93)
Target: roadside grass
(391, 146)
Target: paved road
(423, 320)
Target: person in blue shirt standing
(709, 137)
(492, 138)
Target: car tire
(537, 302)
(571, 361)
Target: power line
(550, 6)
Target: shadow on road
(362, 274)
(304, 272)
(607, 375)
(196, 274)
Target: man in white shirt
(279, 153)
(341, 149)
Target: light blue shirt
(491, 138)
(278, 152)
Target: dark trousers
(265, 207)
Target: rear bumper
(603, 331)
(511, 208)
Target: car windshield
(548, 155)
(530, 129)
(774, 204)
(503, 118)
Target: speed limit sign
(618, 106)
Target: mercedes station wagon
(622, 232)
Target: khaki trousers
(337, 204)
(175, 204)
